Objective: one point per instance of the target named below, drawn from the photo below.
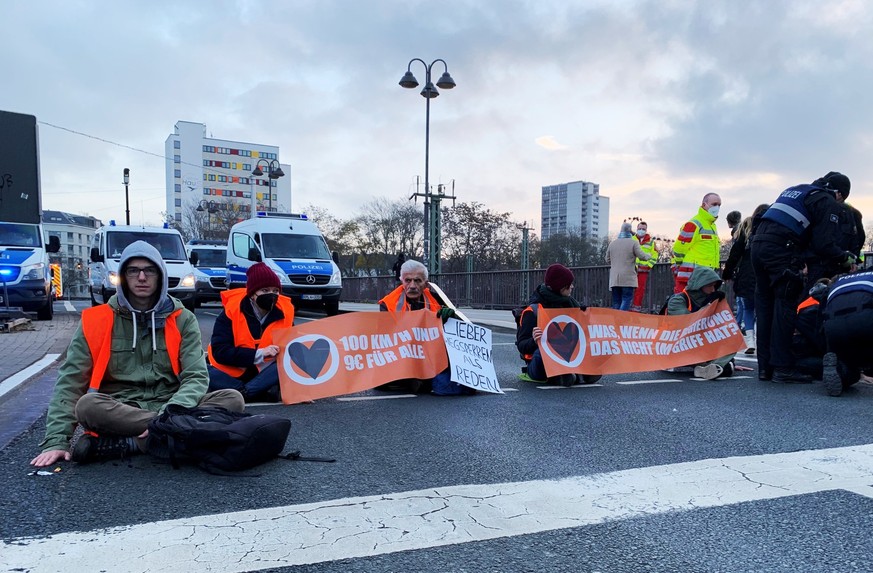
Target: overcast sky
(659, 102)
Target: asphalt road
(637, 473)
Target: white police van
(210, 268)
(296, 251)
(25, 276)
(108, 244)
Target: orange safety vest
(395, 301)
(97, 325)
(232, 301)
(532, 308)
(806, 304)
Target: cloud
(548, 142)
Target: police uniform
(848, 314)
(804, 218)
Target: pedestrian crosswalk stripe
(355, 527)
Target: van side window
(241, 245)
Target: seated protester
(848, 314)
(553, 293)
(702, 289)
(127, 361)
(411, 295)
(808, 344)
(242, 355)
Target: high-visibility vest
(648, 246)
(242, 336)
(97, 325)
(395, 301)
(809, 302)
(697, 245)
(531, 308)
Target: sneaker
(728, 370)
(709, 371)
(101, 448)
(791, 376)
(832, 381)
(565, 380)
(588, 378)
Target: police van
(210, 268)
(25, 275)
(108, 244)
(295, 249)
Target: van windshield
(285, 246)
(168, 245)
(211, 257)
(19, 235)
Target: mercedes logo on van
(310, 279)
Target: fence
(508, 289)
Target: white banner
(470, 357)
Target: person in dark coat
(738, 268)
(398, 264)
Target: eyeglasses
(133, 272)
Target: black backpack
(216, 439)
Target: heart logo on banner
(563, 339)
(310, 359)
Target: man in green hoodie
(701, 290)
(128, 359)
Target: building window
(178, 187)
(178, 217)
(177, 173)
(177, 159)
(177, 144)
(178, 202)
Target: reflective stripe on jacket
(648, 246)
(97, 325)
(242, 336)
(395, 301)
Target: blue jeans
(746, 312)
(622, 297)
(255, 389)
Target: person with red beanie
(555, 292)
(242, 354)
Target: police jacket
(804, 217)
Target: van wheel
(331, 308)
(48, 311)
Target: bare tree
(471, 230)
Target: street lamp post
(274, 171)
(126, 196)
(431, 216)
(210, 207)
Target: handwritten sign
(470, 356)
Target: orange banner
(606, 341)
(357, 351)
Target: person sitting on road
(701, 290)
(808, 343)
(128, 360)
(413, 294)
(242, 354)
(555, 292)
(848, 314)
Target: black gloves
(583, 308)
(849, 260)
(715, 296)
(445, 313)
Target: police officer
(852, 237)
(848, 314)
(804, 218)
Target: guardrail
(504, 290)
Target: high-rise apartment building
(201, 168)
(575, 207)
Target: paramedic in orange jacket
(242, 355)
(128, 359)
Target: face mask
(641, 233)
(713, 210)
(267, 301)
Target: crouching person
(848, 315)
(242, 355)
(413, 294)
(702, 289)
(128, 360)
(555, 292)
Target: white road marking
(652, 381)
(69, 306)
(865, 490)
(32, 370)
(505, 389)
(381, 524)
(551, 387)
(362, 398)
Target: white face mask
(641, 232)
(713, 210)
